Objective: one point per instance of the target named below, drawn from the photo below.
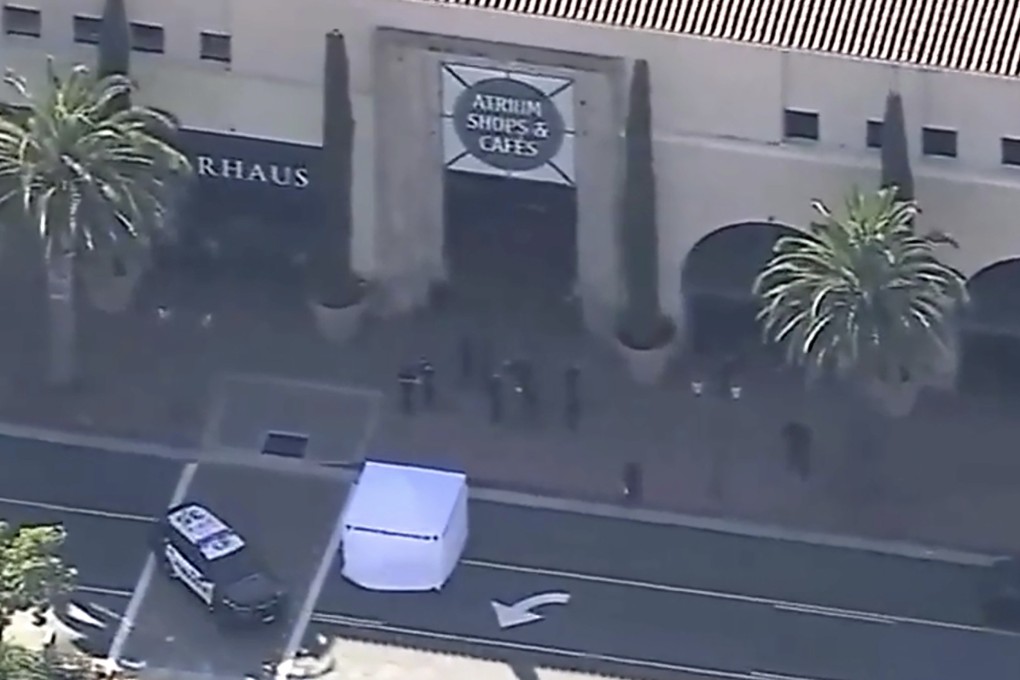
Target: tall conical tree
(895, 150)
(114, 46)
(643, 325)
(337, 285)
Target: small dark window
(938, 142)
(22, 21)
(215, 47)
(86, 29)
(147, 38)
(800, 125)
(873, 135)
(1011, 151)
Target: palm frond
(72, 141)
(860, 290)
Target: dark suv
(197, 548)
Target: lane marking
(835, 613)
(100, 590)
(297, 633)
(367, 624)
(145, 578)
(75, 510)
(802, 607)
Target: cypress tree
(114, 46)
(895, 150)
(337, 285)
(643, 325)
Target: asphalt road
(656, 610)
(83, 477)
(706, 560)
(653, 629)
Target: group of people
(509, 380)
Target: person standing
(572, 397)
(798, 442)
(427, 373)
(494, 390)
(407, 379)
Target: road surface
(654, 629)
(645, 599)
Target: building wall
(718, 109)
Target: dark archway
(990, 338)
(510, 243)
(716, 282)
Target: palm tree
(862, 294)
(87, 176)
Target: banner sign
(508, 123)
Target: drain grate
(286, 444)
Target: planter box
(646, 366)
(338, 324)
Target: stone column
(407, 176)
(598, 149)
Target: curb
(490, 494)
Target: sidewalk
(951, 477)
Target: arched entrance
(510, 244)
(716, 284)
(990, 326)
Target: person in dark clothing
(632, 483)
(797, 437)
(407, 379)
(494, 390)
(572, 396)
(524, 386)
(427, 373)
(467, 359)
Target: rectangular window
(147, 38)
(215, 47)
(873, 135)
(800, 125)
(86, 29)
(1011, 151)
(22, 21)
(939, 142)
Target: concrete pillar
(598, 163)
(409, 213)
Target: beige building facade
(734, 122)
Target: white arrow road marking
(519, 613)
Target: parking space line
(76, 510)
(297, 633)
(142, 587)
